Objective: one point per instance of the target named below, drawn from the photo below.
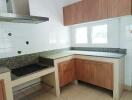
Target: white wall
(44, 36)
(118, 37)
(126, 42)
(3, 6)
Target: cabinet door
(93, 72)
(73, 14)
(99, 74)
(80, 70)
(94, 10)
(68, 15)
(2, 92)
(117, 8)
(90, 68)
(66, 72)
(103, 75)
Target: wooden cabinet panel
(68, 15)
(80, 70)
(2, 92)
(90, 67)
(117, 8)
(94, 10)
(78, 13)
(99, 74)
(66, 72)
(103, 75)
(93, 72)
(73, 14)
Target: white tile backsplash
(3, 8)
(1, 43)
(42, 37)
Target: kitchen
(65, 50)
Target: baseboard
(128, 88)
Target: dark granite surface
(111, 50)
(85, 53)
(20, 61)
(23, 60)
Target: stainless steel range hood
(18, 12)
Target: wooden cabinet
(103, 75)
(117, 8)
(66, 72)
(80, 70)
(94, 10)
(73, 14)
(84, 70)
(93, 72)
(2, 91)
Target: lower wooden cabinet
(66, 72)
(93, 72)
(103, 75)
(2, 91)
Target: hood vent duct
(18, 11)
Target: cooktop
(28, 69)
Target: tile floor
(70, 92)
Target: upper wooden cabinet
(117, 8)
(2, 91)
(93, 10)
(73, 14)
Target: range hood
(18, 11)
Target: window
(81, 35)
(99, 34)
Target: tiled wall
(41, 37)
(126, 42)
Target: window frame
(92, 34)
(98, 23)
(89, 34)
(74, 36)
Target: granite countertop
(4, 69)
(86, 53)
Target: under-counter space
(87, 53)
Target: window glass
(99, 34)
(81, 36)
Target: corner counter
(118, 61)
